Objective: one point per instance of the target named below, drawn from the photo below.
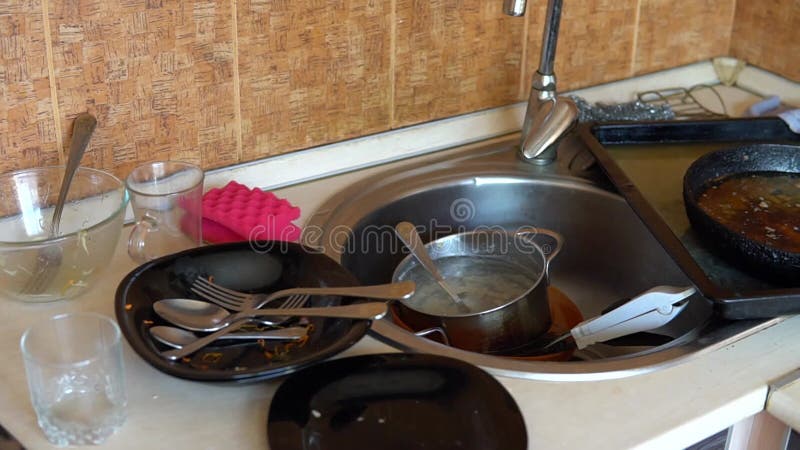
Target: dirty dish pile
(501, 278)
(269, 267)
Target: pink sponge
(236, 213)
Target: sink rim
(394, 184)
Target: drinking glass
(76, 379)
(166, 197)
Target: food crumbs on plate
(211, 357)
(281, 351)
(128, 307)
(147, 322)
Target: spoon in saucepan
(408, 234)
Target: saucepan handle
(548, 241)
(434, 330)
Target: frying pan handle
(548, 240)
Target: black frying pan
(775, 264)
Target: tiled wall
(767, 34)
(219, 82)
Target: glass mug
(76, 377)
(167, 201)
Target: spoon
(197, 315)
(408, 234)
(49, 258)
(178, 337)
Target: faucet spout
(548, 117)
(549, 121)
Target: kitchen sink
(608, 253)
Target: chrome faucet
(548, 117)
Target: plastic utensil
(649, 310)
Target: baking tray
(646, 162)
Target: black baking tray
(620, 148)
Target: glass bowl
(88, 233)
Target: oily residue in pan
(762, 206)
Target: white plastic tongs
(647, 311)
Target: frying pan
(775, 264)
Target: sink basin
(608, 254)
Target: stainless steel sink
(608, 254)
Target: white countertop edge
(767, 83)
(358, 153)
(784, 399)
(353, 154)
(709, 423)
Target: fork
(238, 301)
(242, 302)
(48, 260)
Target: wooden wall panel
(312, 72)
(28, 136)
(219, 82)
(767, 33)
(157, 74)
(454, 57)
(676, 32)
(595, 42)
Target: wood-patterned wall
(219, 82)
(767, 33)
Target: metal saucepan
(502, 276)
(754, 250)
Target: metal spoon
(179, 338)
(49, 258)
(408, 234)
(198, 315)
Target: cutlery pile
(208, 316)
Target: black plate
(250, 267)
(394, 401)
(770, 262)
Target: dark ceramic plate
(250, 267)
(394, 401)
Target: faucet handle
(552, 119)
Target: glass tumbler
(76, 379)
(167, 200)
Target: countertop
(669, 408)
